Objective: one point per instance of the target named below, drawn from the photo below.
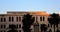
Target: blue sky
(49, 6)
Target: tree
(54, 20)
(43, 28)
(13, 28)
(27, 22)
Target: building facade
(16, 19)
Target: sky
(50, 6)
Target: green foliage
(43, 27)
(54, 20)
(27, 22)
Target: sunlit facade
(16, 19)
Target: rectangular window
(12, 19)
(9, 19)
(19, 18)
(40, 18)
(4, 19)
(4, 26)
(2, 31)
(1, 26)
(43, 18)
(19, 25)
(51, 25)
(19, 30)
(1, 19)
(16, 18)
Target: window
(43, 18)
(48, 25)
(16, 18)
(1, 19)
(40, 18)
(4, 19)
(19, 30)
(11, 19)
(51, 25)
(3, 26)
(2, 31)
(19, 18)
(19, 25)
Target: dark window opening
(40, 18)
(1, 31)
(19, 30)
(1, 19)
(12, 19)
(16, 18)
(1, 26)
(19, 18)
(4, 19)
(19, 25)
(43, 18)
(4, 26)
(4, 31)
(9, 18)
(48, 25)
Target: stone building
(16, 19)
